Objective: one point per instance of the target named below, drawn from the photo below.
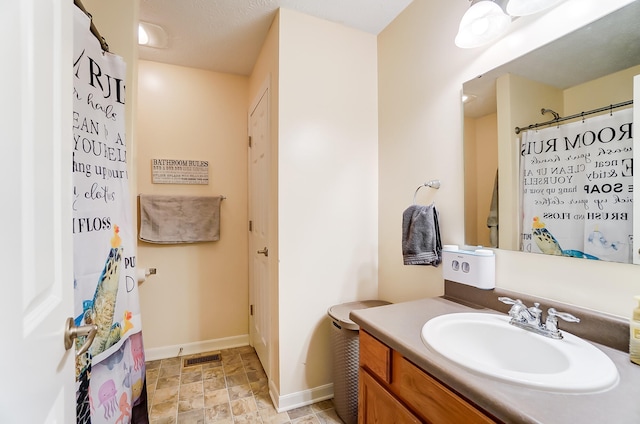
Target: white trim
(157, 353)
(298, 399)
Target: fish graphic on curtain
(548, 244)
(110, 376)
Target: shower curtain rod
(557, 118)
(94, 30)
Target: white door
(37, 383)
(258, 234)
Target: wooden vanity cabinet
(394, 390)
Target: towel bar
(431, 183)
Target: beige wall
(610, 89)
(327, 191)
(421, 75)
(420, 137)
(470, 182)
(199, 297)
(480, 165)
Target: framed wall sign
(179, 171)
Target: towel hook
(431, 183)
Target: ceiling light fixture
(484, 22)
(143, 37)
(529, 7)
(151, 35)
(468, 98)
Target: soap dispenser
(634, 336)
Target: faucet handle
(563, 315)
(516, 310)
(509, 301)
(551, 324)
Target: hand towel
(179, 219)
(421, 243)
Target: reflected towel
(492, 219)
(179, 219)
(421, 243)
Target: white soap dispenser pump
(634, 336)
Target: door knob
(71, 332)
(264, 251)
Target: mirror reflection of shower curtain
(577, 188)
(493, 218)
(110, 376)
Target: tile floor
(232, 390)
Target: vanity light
(151, 35)
(485, 21)
(529, 7)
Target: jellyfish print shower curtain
(110, 377)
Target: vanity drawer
(375, 356)
(429, 399)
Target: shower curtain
(577, 188)
(110, 377)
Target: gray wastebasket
(345, 350)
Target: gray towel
(179, 219)
(492, 219)
(421, 244)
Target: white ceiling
(227, 35)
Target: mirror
(602, 56)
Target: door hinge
(249, 141)
(251, 310)
(250, 225)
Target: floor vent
(202, 360)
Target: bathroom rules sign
(110, 376)
(577, 188)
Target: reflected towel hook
(431, 183)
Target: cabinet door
(375, 356)
(377, 406)
(431, 400)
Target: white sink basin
(487, 344)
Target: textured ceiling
(227, 35)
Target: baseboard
(298, 399)
(164, 352)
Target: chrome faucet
(530, 318)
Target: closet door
(259, 259)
